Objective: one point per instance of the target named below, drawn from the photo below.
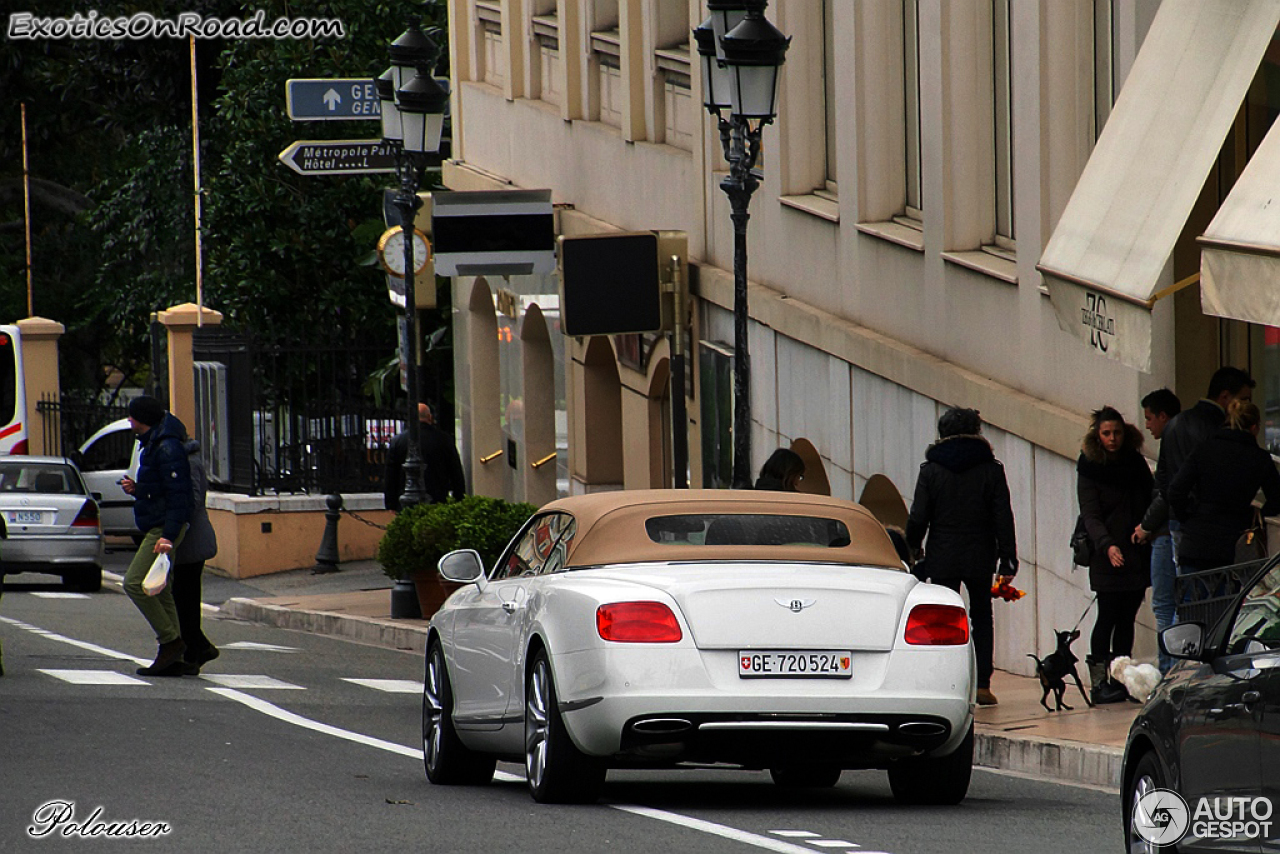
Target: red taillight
(637, 622)
(87, 517)
(937, 625)
(20, 447)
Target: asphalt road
(274, 749)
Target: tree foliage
(109, 127)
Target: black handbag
(1081, 545)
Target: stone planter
(432, 591)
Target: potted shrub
(420, 535)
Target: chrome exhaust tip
(661, 726)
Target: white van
(105, 458)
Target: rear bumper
(769, 740)
(645, 706)
(49, 553)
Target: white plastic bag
(157, 577)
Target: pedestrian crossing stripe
(94, 677)
(260, 647)
(391, 686)
(58, 594)
(228, 680)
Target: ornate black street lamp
(741, 53)
(413, 106)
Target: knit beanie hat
(146, 410)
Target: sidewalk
(1081, 746)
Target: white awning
(1104, 260)
(1240, 251)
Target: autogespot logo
(1162, 817)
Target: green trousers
(159, 610)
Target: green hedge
(419, 536)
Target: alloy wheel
(536, 725)
(432, 708)
(1137, 844)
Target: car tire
(805, 776)
(934, 781)
(447, 760)
(1147, 775)
(84, 580)
(557, 771)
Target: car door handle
(1247, 699)
(510, 606)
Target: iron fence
(295, 418)
(68, 421)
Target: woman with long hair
(1212, 493)
(1113, 485)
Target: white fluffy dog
(1138, 679)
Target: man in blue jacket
(162, 511)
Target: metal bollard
(327, 557)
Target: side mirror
(1184, 640)
(463, 566)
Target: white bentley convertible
(694, 627)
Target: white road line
(57, 594)
(391, 686)
(85, 645)
(94, 677)
(272, 710)
(685, 821)
(714, 829)
(795, 834)
(833, 843)
(266, 683)
(260, 647)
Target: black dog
(1054, 669)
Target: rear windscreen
(747, 529)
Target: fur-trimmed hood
(1092, 450)
(960, 453)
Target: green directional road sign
(337, 100)
(339, 157)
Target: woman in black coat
(962, 504)
(1113, 485)
(1212, 493)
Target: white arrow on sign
(332, 99)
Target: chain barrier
(360, 518)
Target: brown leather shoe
(986, 698)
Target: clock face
(391, 251)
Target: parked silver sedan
(54, 525)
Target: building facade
(946, 180)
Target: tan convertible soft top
(611, 527)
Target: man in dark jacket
(1212, 496)
(1185, 432)
(962, 502)
(442, 467)
(162, 510)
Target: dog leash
(1084, 612)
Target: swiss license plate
(799, 664)
(25, 517)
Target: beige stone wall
(258, 536)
